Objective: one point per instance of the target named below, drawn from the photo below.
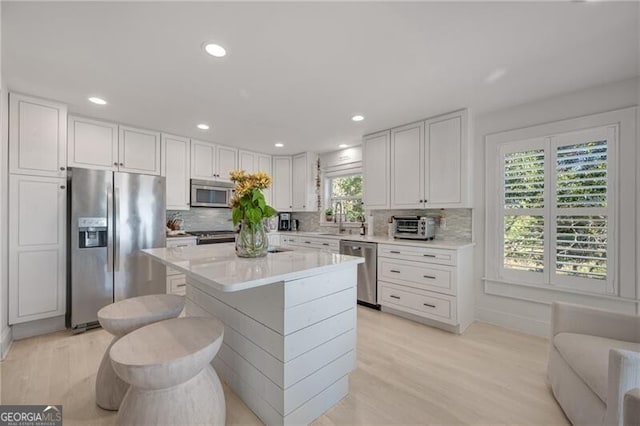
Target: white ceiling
(297, 72)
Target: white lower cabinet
(177, 282)
(426, 283)
(37, 247)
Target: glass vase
(252, 240)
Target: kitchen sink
(278, 250)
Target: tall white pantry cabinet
(37, 208)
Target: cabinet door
(37, 137)
(176, 162)
(407, 152)
(227, 162)
(264, 165)
(282, 183)
(300, 182)
(139, 151)
(92, 144)
(203, 155)
(445, 165)
(247, 161)
(37, 247)
(376, 165)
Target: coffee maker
(284, 221)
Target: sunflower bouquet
(249, 207)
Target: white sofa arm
(595, 322)
(624, 375)
(631, 409)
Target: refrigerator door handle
(116, 222)
(111, 223)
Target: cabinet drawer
(176, 284)
(426, 304)
(425, 254)
(420, 275)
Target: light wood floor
(407, 373)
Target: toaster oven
(414, 227)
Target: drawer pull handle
(430, 277)
(429, 305)
(325, 244)
(395, 271)
(181, 285)
(394, 252)
(429, 255)
(307, 242)
(183, 245)
(393, 296)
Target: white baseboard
(514, 322)
(38, 327)
(6, 339)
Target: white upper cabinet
(37, 137)
(447, 166)
(92, 144)
(247, 161)
(176, 161)
(252, 162)
(227, 161)
(376, 170)
(37, 247)
(407, 147)
(282, 184)
(264, 165)
(212, 162)
(430, 165)
(203, 155)
(139, 151)
(303, 183)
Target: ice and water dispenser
(93, 232)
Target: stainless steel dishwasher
(367, 271)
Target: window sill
(532, 292)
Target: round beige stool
(119, 319)
(168, 367)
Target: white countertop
(437, 244)
(217, 265)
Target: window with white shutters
(556, 203)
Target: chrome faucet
(339, 214)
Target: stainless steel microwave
(205, 193)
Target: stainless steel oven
(205, 193)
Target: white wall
(527, 315)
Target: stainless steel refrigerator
(112, 216)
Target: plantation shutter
(523, 207)
(582, 211)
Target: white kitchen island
(290, 324)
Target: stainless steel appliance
(112, 216)
(284, 222)
(414, 227)
(206, 193)
(214, 237)
(367, 271)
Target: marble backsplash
(204, 219)
(458, 222)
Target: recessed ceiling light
(357, 118)
(343, 145)
(97, 101)
(203, 126)
(215, 50)
(278, 144)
